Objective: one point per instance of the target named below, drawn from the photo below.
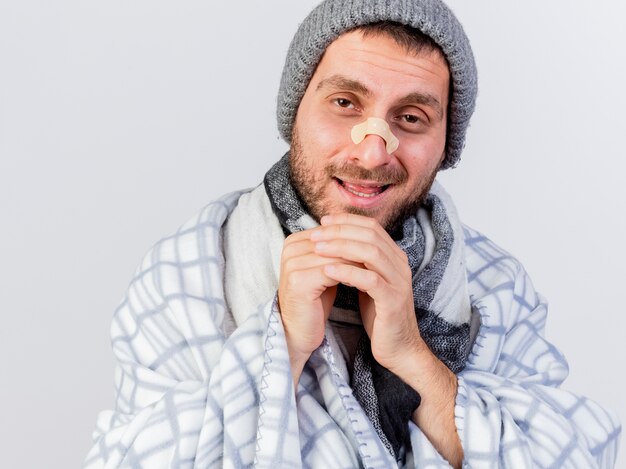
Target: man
(340, 315)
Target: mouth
(362, 193)
(363, 189)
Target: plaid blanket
(194, 391)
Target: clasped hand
(356, 251)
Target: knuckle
(287, 250)
(376, 252)
(374, 225)
(375, 279)
(371, 236)
(289, 240)
(296, 249)
(404, 257)
(294, 279)
(289, 264)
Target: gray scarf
(433, 242)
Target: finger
(308, 261)
(349, 219)
(371, 256)
(364, 234)
(351, 226)
(308, 284)
(298, 236)
(364, 280)
(296, 248)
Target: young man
(340, 314)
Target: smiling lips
(363, 189)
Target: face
(359, 78)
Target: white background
(120, 119)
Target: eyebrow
(347, 84)
(344, 83)
(425, 99)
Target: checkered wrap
(188, 396)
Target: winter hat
(332, 18)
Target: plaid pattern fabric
(188, 396)
(510, 411)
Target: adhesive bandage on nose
(375, 126)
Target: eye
(412, 121)
(343, 102)
(410, 118)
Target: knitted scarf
(433, 242)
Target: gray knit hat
(332, 18)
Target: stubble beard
(310, 187)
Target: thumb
(328, 298)
(368, 311)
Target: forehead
(378, 61)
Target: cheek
(328, 135)
(425, 149)
(421, 158)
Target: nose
(371, 152)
